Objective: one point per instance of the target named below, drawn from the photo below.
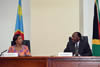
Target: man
(78, 46)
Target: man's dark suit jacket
(84, 48)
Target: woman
(19, 48)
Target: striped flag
(19, 21)
(96, 30)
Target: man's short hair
(79, 34)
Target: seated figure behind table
(83, 48)
(19, 48)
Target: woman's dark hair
(15, 38)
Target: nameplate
(65, 54)
(10, 55)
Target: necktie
(76, 49)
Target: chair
(25, 42)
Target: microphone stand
(3, 52)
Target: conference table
(50, 61)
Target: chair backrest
(85, 38)
(25, 42)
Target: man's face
(75, 37)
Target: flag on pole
(96, 30)
(19, 21)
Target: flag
(96, 30)
(19, 21)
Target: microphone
(3, 52)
